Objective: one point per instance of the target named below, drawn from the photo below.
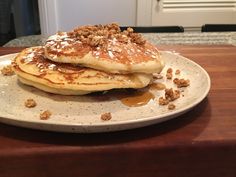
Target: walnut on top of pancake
(98, 35)
(105, 48)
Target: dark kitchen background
(18, 18)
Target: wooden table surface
(201, 142)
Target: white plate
(81, 114)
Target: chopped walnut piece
(137, 38)
(169, 70)
(130, 30)
(122, 38)
(112, 26)
(45, 115)
(181, 82)
(98, 35)
(171, 94)
(95, 40)
(30, 103)
(169, 73)
(106, 116)
(177, 72)
(171, 106)
(163, 101)
(7, 70)
(176, 80)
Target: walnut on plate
(45, 115)
(171, 106)
(30, 103)
(181, 82)
(163, 101)
(7, 71)
(171, 94)
(169, 73)
(106, 116)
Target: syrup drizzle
(139, 98)
(128, 97)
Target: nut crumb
(171, 94)
(106, 116)
(30, 103)
(99, 35)
(171, 106)
(45, 115)
(181, 82)
(169, 75)
(177, 72)
(163, 101)
(169, 70)
(7, 71)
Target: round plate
(82, 114)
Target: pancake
(34, 69)
(105, 48)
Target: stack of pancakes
(89, 59)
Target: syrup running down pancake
(34, 69)
(105, 48)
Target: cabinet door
(192, 13)
(188, 13)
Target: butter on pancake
(106, 48)
(34, 69)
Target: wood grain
(201, 142)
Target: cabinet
(191, 14)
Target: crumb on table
(30, 103)
(106, 116)
(45, 115)
(171, 106)
(7, 70)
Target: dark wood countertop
(202, 142)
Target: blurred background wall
(67, 14)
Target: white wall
(64, 15)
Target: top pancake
(106, 48)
